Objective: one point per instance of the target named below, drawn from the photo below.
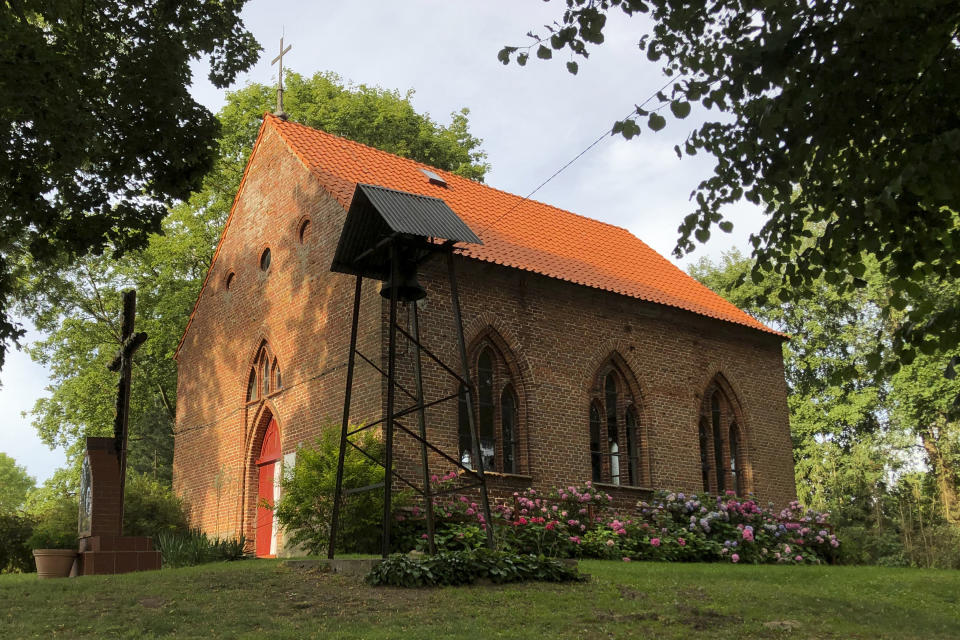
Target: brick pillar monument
(103, 548)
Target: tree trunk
(946, 484)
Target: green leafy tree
(15, 485)
(860, 433)
(100, 133)
(77, 310)
(856, 101)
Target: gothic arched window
(735, 467)
(615, 432)
(497, 414)
(633, 445)
(596, 454)
(704, 454)
(715, 420)
(723, 460)
(508, 428)
(264, 377)
(252, 386)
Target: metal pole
(351, 359)
(465, 365)
(126, 371)
(391, 375)
(421, 418)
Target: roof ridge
(456, 176)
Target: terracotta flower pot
(54, 563)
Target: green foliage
(466, 567)
(56, 527)
(100, 132)
(15, 551)
(77, 309)
(151, 508)
(193, 547)
(855, 426)
(15, 484)
(812, 94)
(306, 500)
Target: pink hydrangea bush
(579, 521)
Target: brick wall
(553, 339)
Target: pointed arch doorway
(267, 470)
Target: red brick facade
(554, 342)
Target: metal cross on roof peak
(280, 113)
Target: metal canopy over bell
(414, 226)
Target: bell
(408, 289)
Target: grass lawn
(265, 599)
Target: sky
(532, 120)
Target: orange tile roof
(525, 234)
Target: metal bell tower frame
(387, 235)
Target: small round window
(265, 260)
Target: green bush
(193, 547)
(15, 550)
(56, 525)
(305, 506)
(466, 567)
(151, 507)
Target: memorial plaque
(86, 498)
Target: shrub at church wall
(306, 500)
(579, 522)
(193, 547)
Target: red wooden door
(266, 467)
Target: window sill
(627, 487)
(508, 476)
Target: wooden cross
(280, 112)
(123, 362)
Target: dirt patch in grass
(703, 619)
(631, 594)
(152, 603)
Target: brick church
(593, 356)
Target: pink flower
(610, 543)
(434, 478)
(735, 558)
(786, 549)
(681, 542)
(626, 559)
(799, 558)
(424, 536)
(655, 542)
(575, 539)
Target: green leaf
(726, 226)
(656, 122)
(544, 52)
(572, 67)
(680, 109)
